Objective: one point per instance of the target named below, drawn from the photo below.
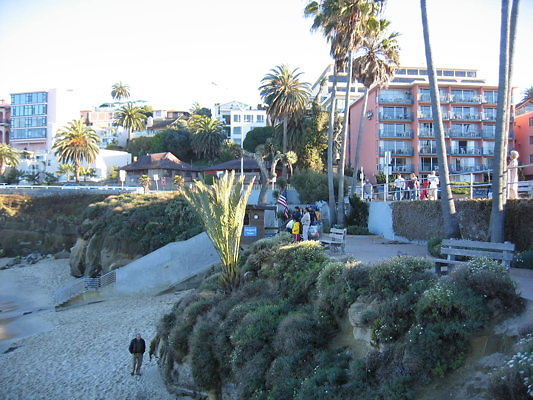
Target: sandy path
(81, 352)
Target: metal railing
(82, 285)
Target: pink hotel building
(399, 119)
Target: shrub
(262, 252)
(489, 280)
(204, 365)
(434, 245)
(299, 332)
(523, 260)
(358, 214)
(357, 230)
(311, 185)
(395, 275)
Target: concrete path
(373, 249)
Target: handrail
(82, 285)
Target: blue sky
(175, 52)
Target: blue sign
(250, 231)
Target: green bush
(358, 214)
(204, 365)
(460, 188)
(490, 280)
(357, 230)
(311, 185)
(434, 246)
(523, 260)
(394, 276)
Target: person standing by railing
(414, 187)
(433, 185)
(399, 185)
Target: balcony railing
(488, 117)
(427, 167)
(426, 133)
(466, 117)
(488, 134)
(426, 98)
(489, 100)
(407, 151)
(467, 99)
(471, 133)
(383, 99)
(468, 168)
(463, 151)
(402, 168)
(398, 116)
(429, 115)
(407, 134)
(427, 150)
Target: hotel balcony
(407, 134)
(429, 115)
(405, 116)
(428, 167)
(490, 118)
(382, 99)
(429, 133)
(491, 101)
(466, 117)
(406, 151)
(486, 134)
(467, 99)
(426, 98)
(427, 150)
(471, 134)
(454, 168)
(463, 151)
(402, 168)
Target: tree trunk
(77, 171)
(331, 188)
(357, 155)
(340, 173)
(449, 215)
(284, 145)
(263, 198)
(499, 198)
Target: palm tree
(222, 207)
(290, 159)
(65, 169)
(528, 94)
(9, 156)
(208, 136)
(132, 118)
(179, 181)
(120, 91)
(286, 97)
(508, 34)
(76, 143)
(375, 64)
(449, 215)
(144, 181)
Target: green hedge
(422, 220)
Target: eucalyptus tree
(132, 118)
(374, 65)
(208, 136)
(509, 16)
(9, 157)
(75, 144)
(222, 207)
(449, 214)
(286, 97)
(120, 91)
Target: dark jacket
(137, 346)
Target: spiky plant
(222, 207)
(144, 181)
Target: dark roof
(159, 161)
(248, 164)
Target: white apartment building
(239, 119)
(323, 87)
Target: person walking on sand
(137, 349)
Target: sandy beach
(77, 353)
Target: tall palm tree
(286, 97)
(377, 59)
(208, 136)
(222, 207)
(507, 39)
(132, 118)
(9, 156)
(449, 215)
(120, 91)
(528, 94)
(75, 144)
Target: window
(531, 140)
(260, 118)
(531, 121)
(448, 73)
(236, 131)
(412, 72)
(491, 96)
(236, 118)
(531, 158)
(400, 71)
(248, 118)
(463, 95)
(460, 73)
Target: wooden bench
(335, 240)
(472, 248)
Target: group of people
(300, 222)
(413, 189)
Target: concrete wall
(167, 266)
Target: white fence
(83, 285)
